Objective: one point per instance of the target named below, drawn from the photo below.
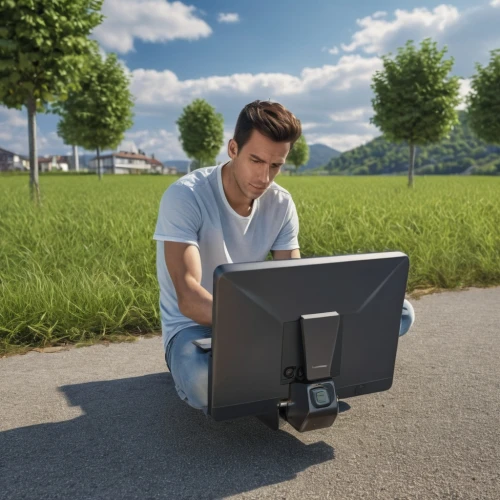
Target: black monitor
(291, 337)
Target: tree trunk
(412, 164)
(34, 186)
(99, 163)
(76, 162)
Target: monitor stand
(312, 403)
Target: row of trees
(48, 63)
(416, 100)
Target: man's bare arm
(184, 266)
(286, 254)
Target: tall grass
(83, 266)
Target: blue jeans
(189, 365)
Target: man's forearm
(197, 305)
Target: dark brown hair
(271, 119)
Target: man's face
(257, 163)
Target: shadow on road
(137, 439)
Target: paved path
(105, 423)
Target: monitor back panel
(256, 329)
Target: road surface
(105, 422)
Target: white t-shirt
(195, 210)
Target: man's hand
(286, 254)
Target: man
(224, 214)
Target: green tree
(98, 116)
(202, 132)
(43, 48)
(484, 101)
(299, 154)
(415, 99)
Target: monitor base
(311, 406)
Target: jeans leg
(189, 366)
(407, 318)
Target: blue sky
(315, 57)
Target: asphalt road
(105, 422)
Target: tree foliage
(484, 100)
(43, 48)
(98, 115)
(299, 154)
(415, 99)
(201, 132)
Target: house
(171, 171)
(156, 165)
(160, 168)
(49, 163)
(12, 161)
(126, 162)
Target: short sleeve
(288, 237)
(179, 216)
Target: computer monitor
(297, 334)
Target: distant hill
(319, 155)
(461, 153)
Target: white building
(49, 163)
(160, 168)
(130, 163)
(122, 163)
(12, 161)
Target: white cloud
(470, 34)
(376, 34)
(13, 118)
(14, 130)
(334, 51)
(228, 18)
(155, 89)
(149, 21)
(163, 143)
(340, 142)
(311, 96)
(14, 135)
(310, 125)
(465, 88)
(351, 114)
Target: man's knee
(197, 388)
(407, 318)
(190, 372)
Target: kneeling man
(229, 213)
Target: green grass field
(82, 268)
